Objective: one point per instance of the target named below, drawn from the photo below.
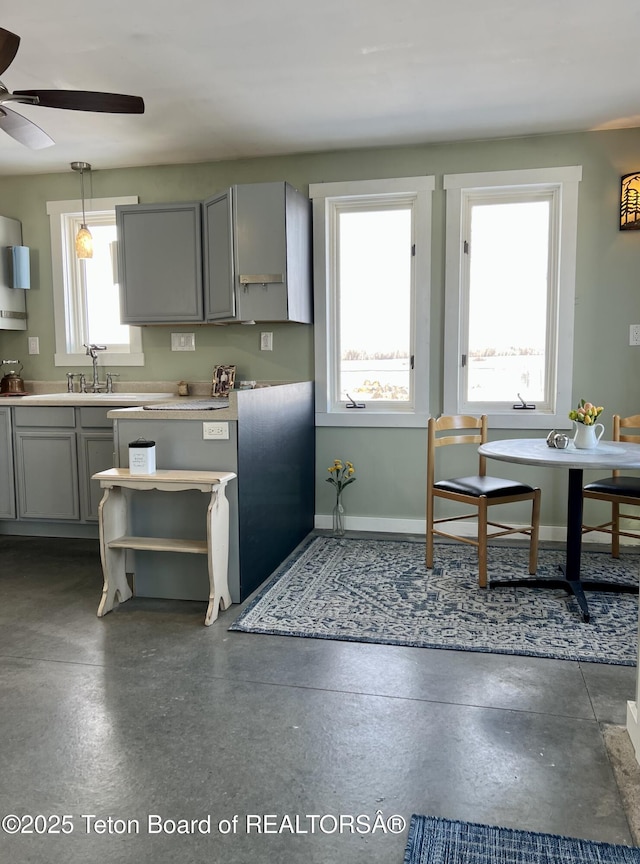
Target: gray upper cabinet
(242, 255)
(258, 254)
(160, 263)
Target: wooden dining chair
(480, 491)
(618, 490)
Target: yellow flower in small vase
(342, 474)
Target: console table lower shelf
(113, 520)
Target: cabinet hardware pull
(261, 278)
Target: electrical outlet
(215, 431)
(266, 341)
(34, 345)
(634, 334)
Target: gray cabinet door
(261, 251)
(47, 474)
(7, 488)
(272, 223)
(219, 277)
(160, 262)
(95, 453)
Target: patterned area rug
(380, 591)
(440, 841)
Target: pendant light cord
(84, 221)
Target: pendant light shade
(84, 240)
(84, 243)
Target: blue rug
(440, 841)
(380, 591)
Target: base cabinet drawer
(47, 474)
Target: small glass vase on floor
(338, 518)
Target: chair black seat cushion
(627, 486)
(492, 487)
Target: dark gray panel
(276, 477)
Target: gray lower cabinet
(7, 487)
(47, 474)
(95, 453)
(242, 255)
(57, 450)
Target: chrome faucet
(95, 386)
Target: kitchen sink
(119, 398)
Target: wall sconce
(630, 202)
(20, 269)
(84, 240)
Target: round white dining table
(608, 455)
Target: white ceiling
(227, 79)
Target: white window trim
(324, 196)
(565, 180)
(56, 210)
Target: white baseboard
(633, 727)
(383, 524)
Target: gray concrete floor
(148, 713)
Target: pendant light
(84, 240)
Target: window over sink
(86, 292)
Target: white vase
(587, 437)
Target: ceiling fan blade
(85, 100)
(23, 130)
(9, 43)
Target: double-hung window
(372, 264)
(510, 286)
(86, 291)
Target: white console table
(114, 538)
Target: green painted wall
(390, 464)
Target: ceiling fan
(27, 132)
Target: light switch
(266, 341)
(34, 345)
(183, 341)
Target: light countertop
(128, 404)
(229, 412)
